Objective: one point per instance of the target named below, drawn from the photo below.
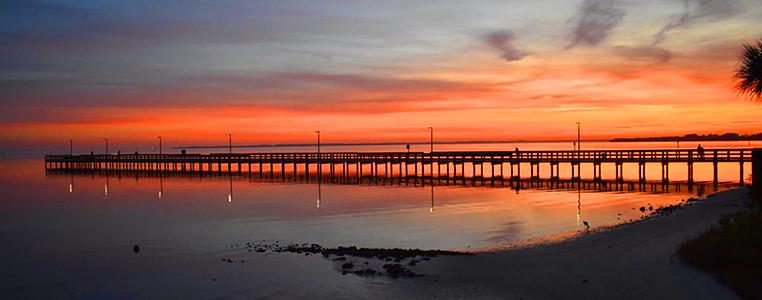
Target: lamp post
(158, 137)
(71, 148)
(578, 139)
(106, 140)
(318, 143)
(431, 139)
(230, 144)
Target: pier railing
(587, 156)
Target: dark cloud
(502, 41)
(695, 11)
(644, 54)
(594, 22)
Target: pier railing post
(756, 169)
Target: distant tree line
(695, 137)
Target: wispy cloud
(644, 54)
(594, 21)
(696, 10)
(503, 42)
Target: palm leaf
(749, 72)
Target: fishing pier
(498, 165)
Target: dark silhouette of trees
(749, 72)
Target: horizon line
(336, 144)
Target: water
(72, 235)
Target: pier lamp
(158, 137)
(71, 147)
(230, 144)
(578, 140)
(431, 139)
(106, 140)
(318, 142)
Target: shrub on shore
(732, 252)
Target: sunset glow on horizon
(363, 71)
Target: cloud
(307, 91)
(502, 41)
(695, 10)
(594, 22)
(644, 54)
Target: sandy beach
(633, 261)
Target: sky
(369, 71)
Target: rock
(347, 265)
(365, 272)
(397, 270)
(136, 249)
(642, 209)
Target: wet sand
(633, 261)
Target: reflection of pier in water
(591, 185)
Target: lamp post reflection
(161, 186)
(105, 187)
(71, 183)
(230, 191)
(579, 205)
(431, 209)
(320, 194)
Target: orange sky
(479, 78)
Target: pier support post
(690, 168)
(756, 169)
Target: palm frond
(749, 72)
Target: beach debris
(587, 225)
(365, 272)
(397, 270)
(650, 208)
(642, 209)
(392, 256)
(136, 249)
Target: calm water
(72, 235)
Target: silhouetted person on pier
(517, 149)
(700, 151)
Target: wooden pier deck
(409, 164)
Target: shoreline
(635, 260)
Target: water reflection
(431, 209)
(579, 205)
(161, 186)
(364, 210)
(230, 190)
(320, 193)
(105, 187)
